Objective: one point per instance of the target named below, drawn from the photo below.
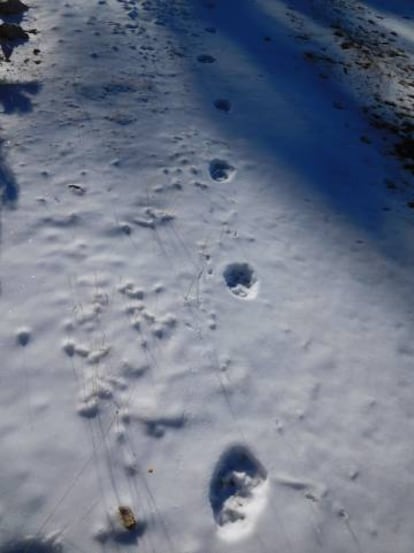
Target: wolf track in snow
(237, 492)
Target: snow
(206, 278)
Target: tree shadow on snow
(396, 8)
(15, 98)
(32, 544)
(8, 47)
(299, 120)
(12, 34)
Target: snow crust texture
(206, 269)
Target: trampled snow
(206, 278)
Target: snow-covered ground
(206, 278)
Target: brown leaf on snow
(127, 517)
